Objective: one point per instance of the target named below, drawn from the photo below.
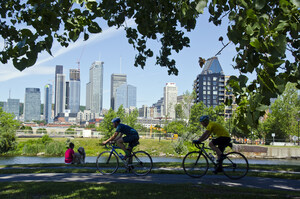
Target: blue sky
(111, 46)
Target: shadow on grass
(132, 191)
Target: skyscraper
(126, 96)
(60, 91)
(94, 88)
(74, 91)
(210, 84)
(32, 104)
(170, 99)
(60, 94)
(48, 104)
(13, 106)
(116, 81)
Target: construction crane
(78, 61)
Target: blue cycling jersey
(125, 129)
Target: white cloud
(8, 71)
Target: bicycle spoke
(195, 164)
(235, 165)
(107, 162)
(141, 163)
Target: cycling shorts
(221, 142)
(131, 139)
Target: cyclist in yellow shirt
(222, 139)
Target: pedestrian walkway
(250, 182)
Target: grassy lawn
(132, 191)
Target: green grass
(124, 191)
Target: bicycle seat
(229, 144)
(135, 144)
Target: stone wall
(253, 151)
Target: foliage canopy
(264, 32)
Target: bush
(46, 139)
(33, 149)
(179, 146)
(41, 130)
(55, 148)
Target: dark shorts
(131, 139)
(221, 142)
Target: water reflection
(91, 159)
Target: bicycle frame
(113, 150)
(203, 151)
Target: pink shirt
(69, 155)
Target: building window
(204, 83)
(208, 88)
(208, 83)
(204, 92)
(215, 92)
(214, 97)
(208, 92)
(208, 97)
(204, 78)
(215, 78)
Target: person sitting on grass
(70, 154)
(131, 137)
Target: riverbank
(155, 147)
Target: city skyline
(112, 48)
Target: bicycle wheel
(107, 162)
(195, 164)
(140, 163)
(235, 165)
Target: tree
(106, 124)
(282, 119)
(131, 118)
(263, 31)
(8, 127)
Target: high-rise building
(94, 88)
(126, 96)
(13, 106)
(32, 104)
(159, 107)
(116, 81)
(210, 84)
(170, 99)
(60, 94)
(48, 104)
(60, 91)
(73, 91)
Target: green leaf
(262, 107)
(260, 4)
(249, 30)
(201, 5)
(255, 43)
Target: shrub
(55, 148)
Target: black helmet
(117, 119)
(204, 118)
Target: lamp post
(298, 131)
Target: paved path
(251, 182)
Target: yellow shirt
(217, 129)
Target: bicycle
(234, 165)
(140, 162)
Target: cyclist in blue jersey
(131, 136)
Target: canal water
(36, 160)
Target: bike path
(250, 182)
